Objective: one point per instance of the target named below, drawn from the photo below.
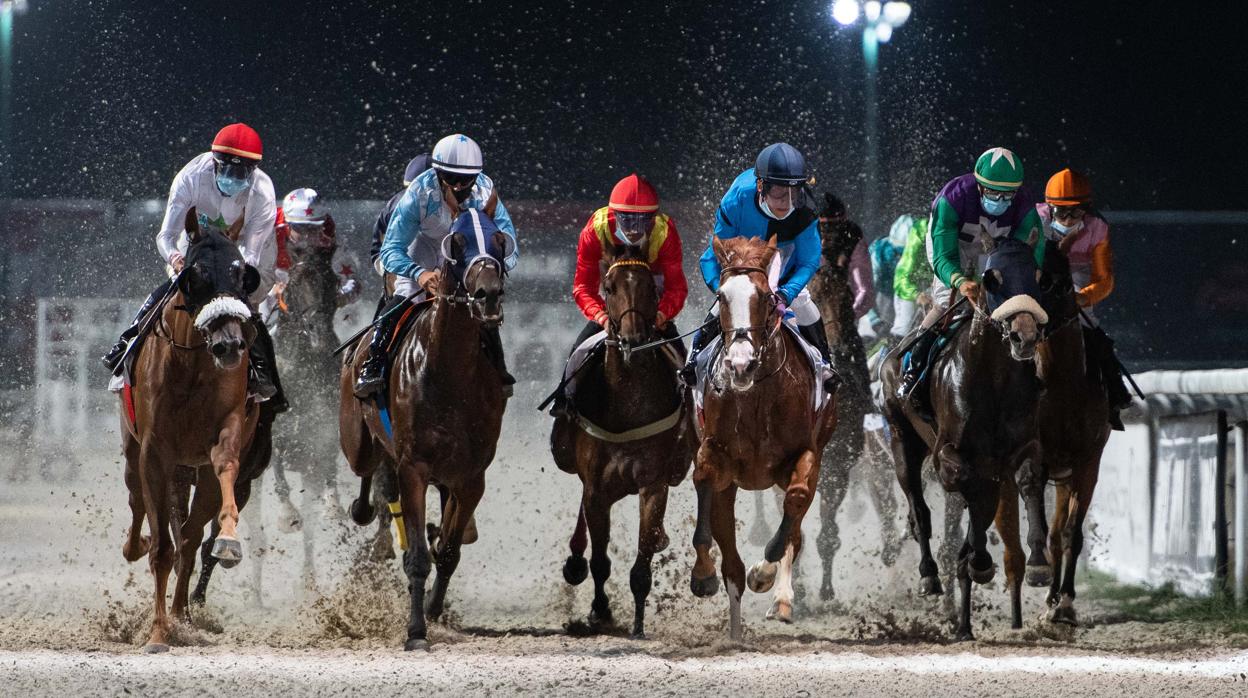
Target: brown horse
(831, 291)
(761, 429)
(1074, 429)
(187, 408)
(445, 410)
(630, 434)
(984, 393)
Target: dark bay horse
(984, 393)
(761, 429)
(831, 291)
(187, 408)
(630, 434)
(445, 410)
(1074, 429)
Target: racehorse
(1074, 429)
(187, 407)
(984, 391)
(831, 291)
(761, 428)
(630, 433)
(443, 411)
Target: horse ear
(771, 243)
(458, 244)
(773, 271)
(609, 253)
(251, 280)
(993, 280)
(191, 224)
(236, 228)
(503, 244)
(188, 279)
(717, 246)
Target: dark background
(111, 98)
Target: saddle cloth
(584, 352)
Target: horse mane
(746, 252)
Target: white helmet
(458, 154)
(900, 232)
(304, 206)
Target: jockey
(885, 253)
(417, 165)
(1082, 234)
(226, 187)
(771, 199)
(303, 221)
(970, 211)
(844, 247)
(912, 278)
(630, 218)
(412, 245)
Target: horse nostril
(219, 349)
(1015, 337)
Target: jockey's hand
(177, 261)
(660, 320)
(430, 280)
(602, 319)
(970, 290)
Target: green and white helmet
(1000, 169)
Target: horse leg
(136, 545)
(288, 520)
(797, 496)
(160, 553)
(949, 551)
(1007, 525)
(1031, 480)
(413, 482)
(1085, 485)
(187, 537)
(225, 465)
(974, 562)
(908, 454)
(575, 568)
(461, 505)
(362, 510)
(724, 530)
(885, 502)
(390, 511)
(652, 503)
(831, 495)
(598, 518)
(703, 581)
(1057, 539)
(796, 503)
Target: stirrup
(367, 385)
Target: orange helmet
(1068, 188)
(634, 194)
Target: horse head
(632, 295)
(748, 307)
(214, 283)
(1012, 282)
(476, 252)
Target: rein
(730, 335)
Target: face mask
(461, 195)
(994, 207)
(231, 186)
(1065, 230)
(762, 203)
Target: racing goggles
(233, 166)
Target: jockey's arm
(860, 279)
(1031, 231)
(1102, 283)
(379, 233)
(669, 264)
(946, 255)
(257, 238)
(181, 198)
(403, 228)
(807, 252)
(725, 228)
(503, 220)
(908, 277)
(588, 277)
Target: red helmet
(634, 194)
(238, 139)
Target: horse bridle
(613, 324)
(460, 295)
(731, 335)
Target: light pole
(8, 8)
(880, 19)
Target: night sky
(111, 98)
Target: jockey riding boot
(915, 363)
(1119, 396)
(263, 374)
(689, 372)
(372, 374)
(119, 349)
(492, 342)
(818, 337)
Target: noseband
(732, 334)
(460, 296)
(613, 324)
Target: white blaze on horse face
(737, 292)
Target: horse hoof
(930, 586)
(827, 593)
(707, 586)
(637, 634)
(288, 521)
(228, 550)
(1038, 576)
(198, 599)
(781, 611)
(889, 555)
(982, 576)
(662, 542)
(600, 620)
(145, 544)
(575, 569)
(362, 512)
(470, 531)
(416, 643)
(761, 576)
(965, 635)
(1064, 615)
(155, 648)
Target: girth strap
(636, 434)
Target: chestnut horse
(984, 393)
(188, 407)
(444, 412)
(630, 434)
(761, 429)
